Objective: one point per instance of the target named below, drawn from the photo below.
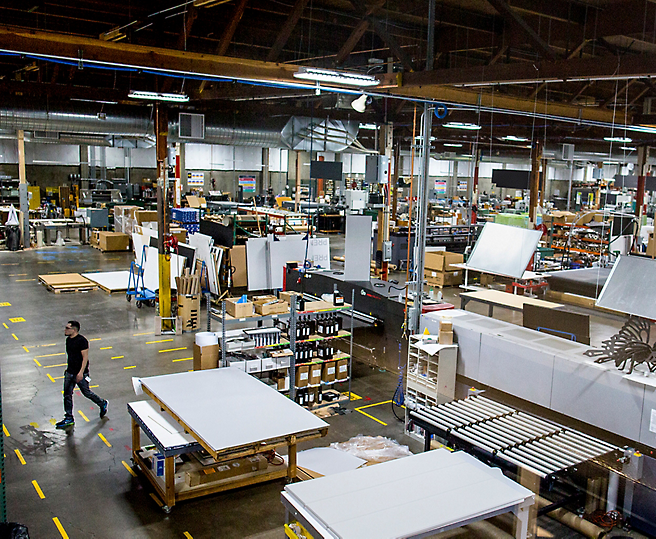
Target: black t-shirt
(74, 347)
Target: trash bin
(13, 238)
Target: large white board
(357, 254)
(630, 287)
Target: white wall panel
(8, 151)
(115, 157)
(51, 154)
(278, 160)
(144, 158)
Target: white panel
(110, 280)
(257, 264)
(51, 154)
(115, 157)
(485, 169)
(288, 249)
(354, 163)
(278, 160)
(464, 169)
(627, 290)
(143, 158)
(9, 151)
(198, 156)
(221, 157)
(357, 253)
(504, 250)
(248, 158)
(327, 156)
(151, 269)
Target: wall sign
(247, 183)
(195, 178)
(440, 187)
(462, 185)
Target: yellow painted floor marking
(354, 397)
(57, 365)
(162, 340)
(83, 416)
(10, 264)
(104, 439)
(140, 334)
(34, 424)
(52, 355)
(61, 529)
(96, 339)
(188, 535)
(51, 378)
(20, 457)
(91, 387)
(24, 280)
(52, 420)
(17, 319)
(118, 357)
(359, 409)
(14, 336)
(156, 499)
(17, 274)
(5, 304)
(25, 348)
(51, 344)
(38, 490)
(105, 347)
(172, 350)
(127, 467)
(6, 326)
(58, 377)
(131, 367)
(4, 429)
(372, 405)
(183, 359)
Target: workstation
(340, 270)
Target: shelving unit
(9, 190)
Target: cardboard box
(315, 374)
(269, 305)
(342, 370)
(445, 337)
(113, 241)
(651, 246)
(282, 380)
(446, 325)
(145, 216)
(440, 261)
(563, 216)
(189, 311)
(206, 357)
(179, 233)
(238, 261)
(302, 375)
(289, 296)
(225, 470)
(239, 310)
(445, 278)
(328, 371)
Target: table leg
(490, 310)
(169, 479)
(136, 435)
(291, 458)
(463, 302)
(521, 526)
(427, 440)
(531, 481)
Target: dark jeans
(69, 386)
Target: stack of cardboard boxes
(439, 270)
(445, 336)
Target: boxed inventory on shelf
(442, 278)
(206, 357)
(265, 305)
(328, 371)
(441, 261)
(238, 310)
(112, 241)
(302, 375)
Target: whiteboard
(357, 254)
(504, 250)
(630, 287)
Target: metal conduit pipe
(573, 521)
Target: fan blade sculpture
(630, 345)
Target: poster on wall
(462, 185)
(440, 187)
(247, 183)
(195, 178)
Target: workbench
(228, 413)
(496, 298)
(415, 496)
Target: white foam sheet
(357, 252)
(168, 432)
(319, 252)
(328, 461)
(257, 264)
(138, 242)
(111, 280)
(288, 249)
(437, 489)
(203, 245)
(630, 287)
(151, 269)
(226, 408)
(504, 250)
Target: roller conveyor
(520, 439)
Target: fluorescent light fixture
(419, 137)
(451, 145)
(628, 148)
(94, 101)
(335, 77)
(618, 139)
(460, 125)
(372, 127)
(513, 138)
(154, 96)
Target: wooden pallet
(64, 289)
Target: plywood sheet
(65, 279)
(512, 301)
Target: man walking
(77, 372)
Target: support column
(161, 128)
(22, 191)
(266, 175)
(297, 194)
(643, 156)
(473, 199)
(394, 183)
(534, 185)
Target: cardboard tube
(573, 521)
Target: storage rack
(9, 190)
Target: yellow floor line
(162, 340)
(34, 424)
(53, 355)
(183, 359)
(57, 365)
(6, 326)
(106, 347)
(17, 274)
(37, 362)
(354, 397)
(96, 339)
(51, 378)
(38, 490)
(83, 416)
(140, 334)
(14, 336)
(157, 501)
(371, 417)
(127, 467)
(24, 280)
(188, 535)
(4, 429)
(25, 348)
(104, 439)
(51, 344)
(118, 357)
(61, 529)
(58, 377)
(172, 349)
(372, 405)
(20, 457)
(130, 367)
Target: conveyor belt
(520, 439)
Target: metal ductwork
(232, 135)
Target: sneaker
(103, 409)
(66, 422)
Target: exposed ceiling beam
(580, 91)
(498, 55)
(617, 93)
(515, 20)
(352, 41)
(391, 42)
(190, 18)
(230, 30)
(286, 30)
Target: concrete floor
(84, 480)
